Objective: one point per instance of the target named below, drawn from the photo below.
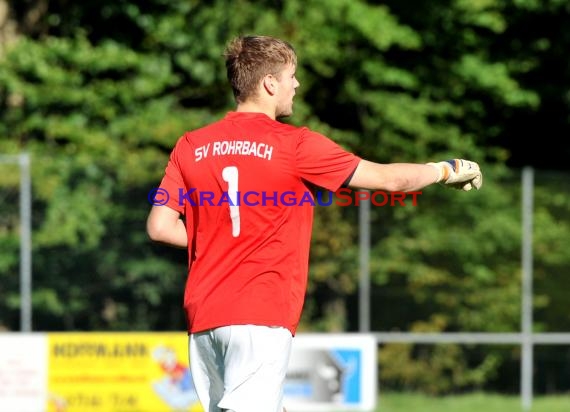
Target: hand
(459, 174)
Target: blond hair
(250, 58)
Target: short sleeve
(322, 161)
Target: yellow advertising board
(119, 372)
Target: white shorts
(240, 368)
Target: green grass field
(401, 402)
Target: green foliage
(447, 362)
(551, 236)
(97, 120)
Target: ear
(270, 84)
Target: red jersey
(243, 185)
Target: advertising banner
(332, 372)
(23, 372)
(91, 372)
(149, 372)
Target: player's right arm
(165, 226)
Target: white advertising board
(332, 372)
(23, 372)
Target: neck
(252, 107)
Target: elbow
(163, 225)
(155, 231)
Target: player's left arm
(393, 177)
(164, 225)
(405, 177)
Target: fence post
(364, 276)
(527, 289)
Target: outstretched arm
(164, 225)
(407, 177)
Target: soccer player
(248, 248)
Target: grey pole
(364, 275)
(527, 288)
(25, 244)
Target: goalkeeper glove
(459, 174)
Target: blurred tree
(88, 115)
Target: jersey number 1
(230, 175)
